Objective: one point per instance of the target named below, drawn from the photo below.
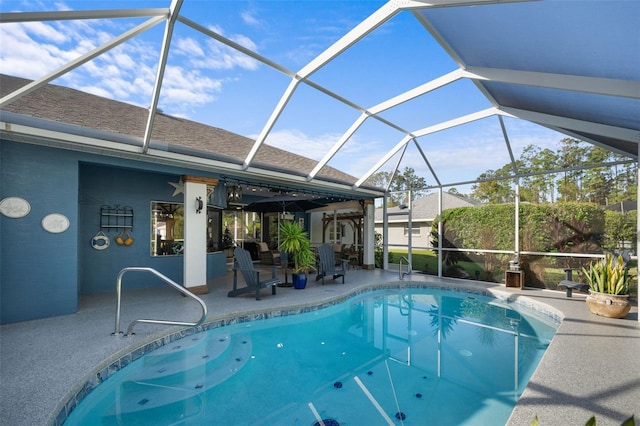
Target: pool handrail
(169, 281)
(400, 273)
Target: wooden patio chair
(251, 275)
(327, 264)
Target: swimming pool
(410, 356)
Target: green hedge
(547, 228)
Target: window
(415, 231)
(336, 236)
(167, 229)
(271, 230)
(214, 229)
(242, 225)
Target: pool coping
(124, 357)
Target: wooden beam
(200, 179)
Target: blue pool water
(411, 357)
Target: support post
(195, 236)
(368, 254)
(440, 236)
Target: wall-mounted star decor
(179, 187)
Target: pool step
(173, 387)
(181, 356)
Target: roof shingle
(71, 106)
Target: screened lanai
(451, 89)
(315, 95)
(572, 67)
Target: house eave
(25, 129)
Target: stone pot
(609, 305)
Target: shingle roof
(425, 209)
(70, 106)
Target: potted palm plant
(295, 242)
(608, 281)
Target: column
(368, 241)
(195, 233)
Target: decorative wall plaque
(15, 207)
(55, 223)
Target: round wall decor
(55, 223)
(15, 207)
(100, 241)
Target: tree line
(584, 173)
(398, 183)
(608, 178)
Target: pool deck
(592, 366)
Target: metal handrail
(172, 283)
(400, 267)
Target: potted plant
(295, 242)
(608, 281)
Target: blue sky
(208, 82)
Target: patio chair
(327, 264)
(268, 257)
(251, 276)
(338, 249)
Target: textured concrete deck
(592, 366)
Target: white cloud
(248, 17)
(355, 157)
(210, 54)
(358, 165)
(59, 5)
(178, 77)
(220, 57)
(295, 140)
(186, 96)
(21, 56)
(126, 72)
(188, 46)
(143, 85)
(124, 61)
(184, 90)
(45, 31)
(216, 29)
(245, 41)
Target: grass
(427, 261)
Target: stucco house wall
(39, 269)
(424, 212)
(43, 273)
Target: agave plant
(609, 275)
